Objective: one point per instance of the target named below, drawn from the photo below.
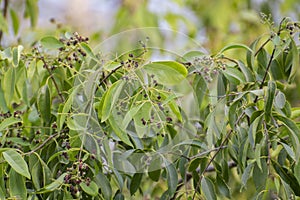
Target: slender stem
(262, 46)
(108, 75)
(215, 155)
(4, 13)
(266, 72)
(52, 78)
(42, 145)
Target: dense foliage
(78, 123)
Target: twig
(268, 40)
(262, 46)
(266, 72)
(108, 75)
(4, 12)
(215, 155)
(43, 144)
(52, 78)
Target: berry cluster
(207, 67)
(77, 174)
(14, 135)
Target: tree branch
(43, 144)
(4, 13)
(52, 78)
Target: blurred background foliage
(212, 23)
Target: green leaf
(92, 189)
(234, 75)
(33, 11)
(111, 98)
(16, 161)
(44, 104)
(270, 99)
(104, 185)
(54, 185)
(119, 131)
(246, 175)
(154, 169)
(88, 50)
(295, 61)
(288, 177)
(294, 134)
(289, 150)
(135, 182)
(246, 71)
(280, 100)
(17, 187)
(253, 130)
(172, 178)
(3, 106)
(232, 114)
(51, 42)
(15, 21)
(208, 189)
(167, 72)
(297, 171)
(194, 164)
(17, 55)
(8, 84)
(223, 187)
(130, 114)
(191, 55)
(235, 46)
(8, 122)
(111, 65)
(35, 172)
(260, 176)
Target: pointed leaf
(235, 46)
(172, 178)
(167, 72)
(54, 185)
(111, 98)
(17, 55)
(208, 189)
(51, 42)
(17, 187)
(44, 104)
(91, 189)
(8, 84)
(8, 122)
(295, 61)
(16, 161)
(135, 182)
(104, 185)
(270, 99)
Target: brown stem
(52, 78)
(266, 72)
(42, 145)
